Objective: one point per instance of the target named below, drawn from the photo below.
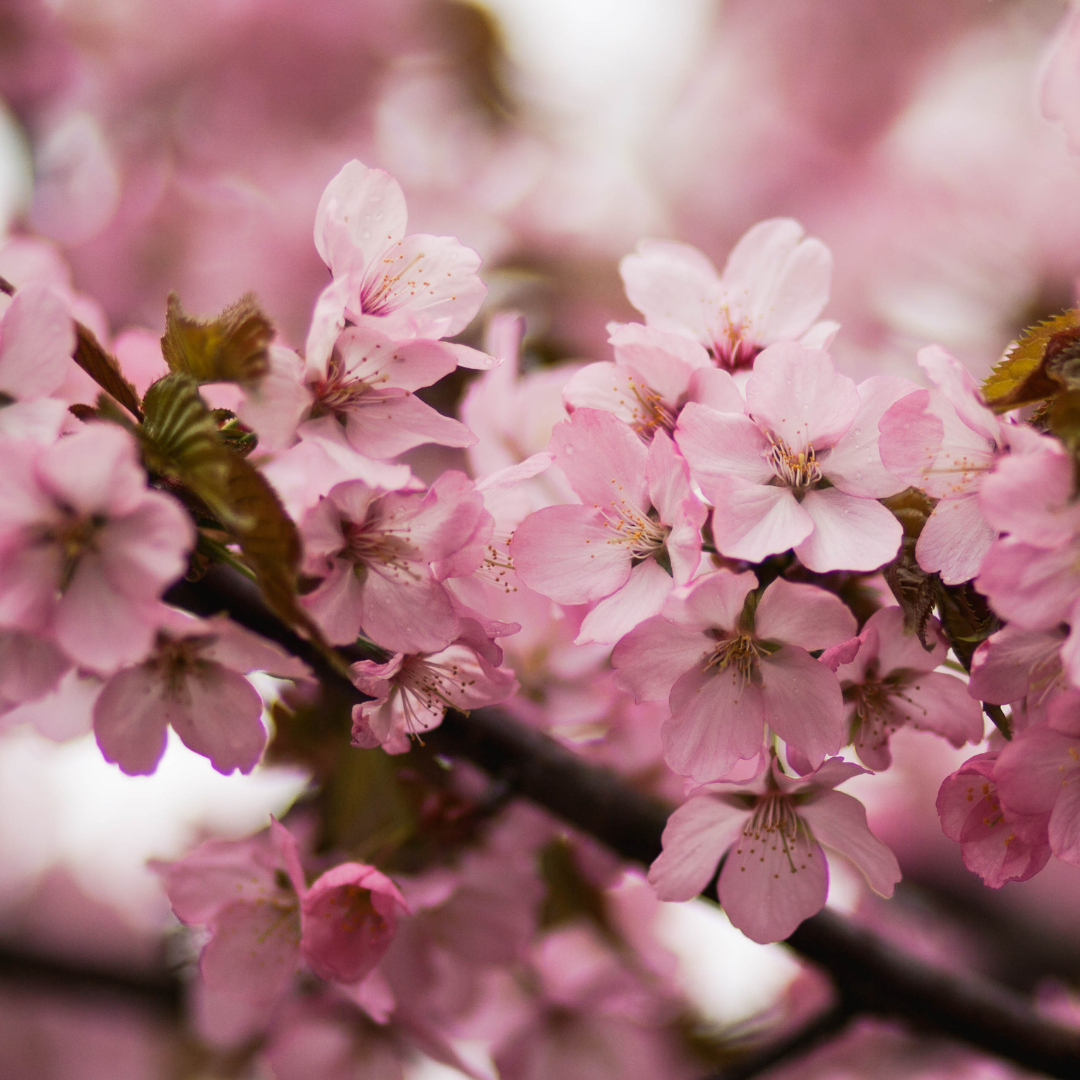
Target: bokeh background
(183, 145)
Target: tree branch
(871, 976)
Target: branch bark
(871, 975)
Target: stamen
(798, 471)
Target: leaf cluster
(199, 454)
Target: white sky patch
(16, 172)
(725, 975)
(65, 803)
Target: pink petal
(1028, 585)
(361, 214)
(95, 471)
(130, 722)
(643, 596)
(216, 712)
(854, 463)
(777, 279)
(753, 521)
(421, 287)
(717, 720)
(910, 438)
(961, 390)
(696, 835)
(955, 539)
(798, 395)
(898, 648)
(37, 339)
(1033, 767)
(564, 552)
(408, 611)
(802, 615)
(275, 406)
(769, 883)
(603, 460)
(849, 533)
(383, 364)
(673, 285)
(652, 656)
(1064, 829)
(716, 389)
(146, 550)
(384, 424)
(719, 444)
(839, 822)
(941, 703)
(1003, 666)
(97, 626)
(802, 702)
(254, 951)
(715, 600)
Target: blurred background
(183, 145)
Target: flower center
(740, 653)
(641, 532)
(797, 471)
(74, 535)
(378, 296)
(651, 413)
(338, 392)
(367, 546)
(427, 688)
(775, 824)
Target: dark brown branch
(871, 975)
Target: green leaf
(1045, 359)
(229, 348)
(181, 441)
(104, 370)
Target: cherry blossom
(944, 442)
(192, 681)
(731, 663)
(996, 842)
(412, 692)
(802, 469)
(892, 682)
(1039, 773)
(775, 874)
(406, 287)
(654, 375)
(773, 287)
(634, 537)
(85, 548)
(366, 385)
(263, 919)
(374, 552)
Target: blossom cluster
(713, 560)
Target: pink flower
(654, 375)
(412, 693)
(366, 385)
(775, 874)
(945, 442)
(263, 920)
(374, 551)
(1021, 668)
(406, 287)
(635, 536)
(892, 682)
(802, 469)
(194, 681)
(85, 548)
(773, 287)
(996, 842)
(1039, 772)
(729, 666)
